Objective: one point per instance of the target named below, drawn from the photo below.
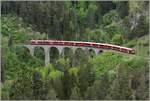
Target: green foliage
(131, 43)
(117, 39)
(86, 77)
(62, 64)
(140, 45)
(100, 88)
(135, 63)
(92, 6)
(48, 72)
(113, 29)
(14, 26)
(44, 71)
(55, 74)
(21, 87)
(39, 53)
(108, 76)
(97, 35)
(142, 28)
(136, 6)
(75, 94)
(110, 17)
(17, 60)
(120, 88)
(105, 62)
(128, 80)
(82, 11)
(73, 70)
(122, 8)
(6, 89)
(9, 26)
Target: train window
(66, 43)
(101, 46)
(35, 42)
(60, 43)
(39, 42)
(77, 44)
(124, 50)
(63, 43)
(71, 43)
(115, 48)
(87, 44)
(56, 43)
(46, 42)
(108, 47)
(81, 44)
(49, 42)
(105, 46)
(95, 45)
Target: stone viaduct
(47, 49)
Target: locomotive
(83, 44)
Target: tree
(122, 8)
(120, 88)
(75, 94)
(117, 39)
(37, 87)
(21, 89)
(85, 78)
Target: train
(83, 44)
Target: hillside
(81, 76)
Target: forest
(84, 75)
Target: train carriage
(83, 44)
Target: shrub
(131, 43)
(105, 62)
(141, 29)
(110, 17)
(117, 39)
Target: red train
(85, 44)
